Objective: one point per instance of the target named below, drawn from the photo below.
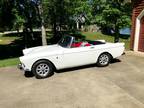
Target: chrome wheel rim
(42, 69)
(104, 59)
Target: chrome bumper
(20, 66)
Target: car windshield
(65, 41)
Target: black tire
(28, 74)
(104, 60)
(42, 69)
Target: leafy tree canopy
(114, 14)
(7, 15)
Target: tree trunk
(54, 29)
(77, 24)
(43, 32)
(116, 38)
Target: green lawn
(9, 62)
(7, 40)
(89, 35)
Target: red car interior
(87, 44)
(78, 44)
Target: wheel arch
(102, 62)
(54, 67)
(106, 53)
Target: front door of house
(141, 37)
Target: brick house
(137, 34)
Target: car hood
(41, 49)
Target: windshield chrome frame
(70, 44)
(72, 40)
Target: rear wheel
(42, 69)
(104, 60)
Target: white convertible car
(43, 60)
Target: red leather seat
(77, 44)
(87, 44)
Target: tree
(81, 9)
(18, 21)
(113, 14)
(32, 11)
(30, 14)
(7, 15)
(63, 12)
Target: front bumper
(22, 67)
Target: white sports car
(67, 53)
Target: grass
(9, 62)
(108, 38)
(4, 41)
(7, 40)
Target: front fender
(29, 61)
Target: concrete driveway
(120, 85)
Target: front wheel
(104, 60)
(42, 69)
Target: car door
(79, 56)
